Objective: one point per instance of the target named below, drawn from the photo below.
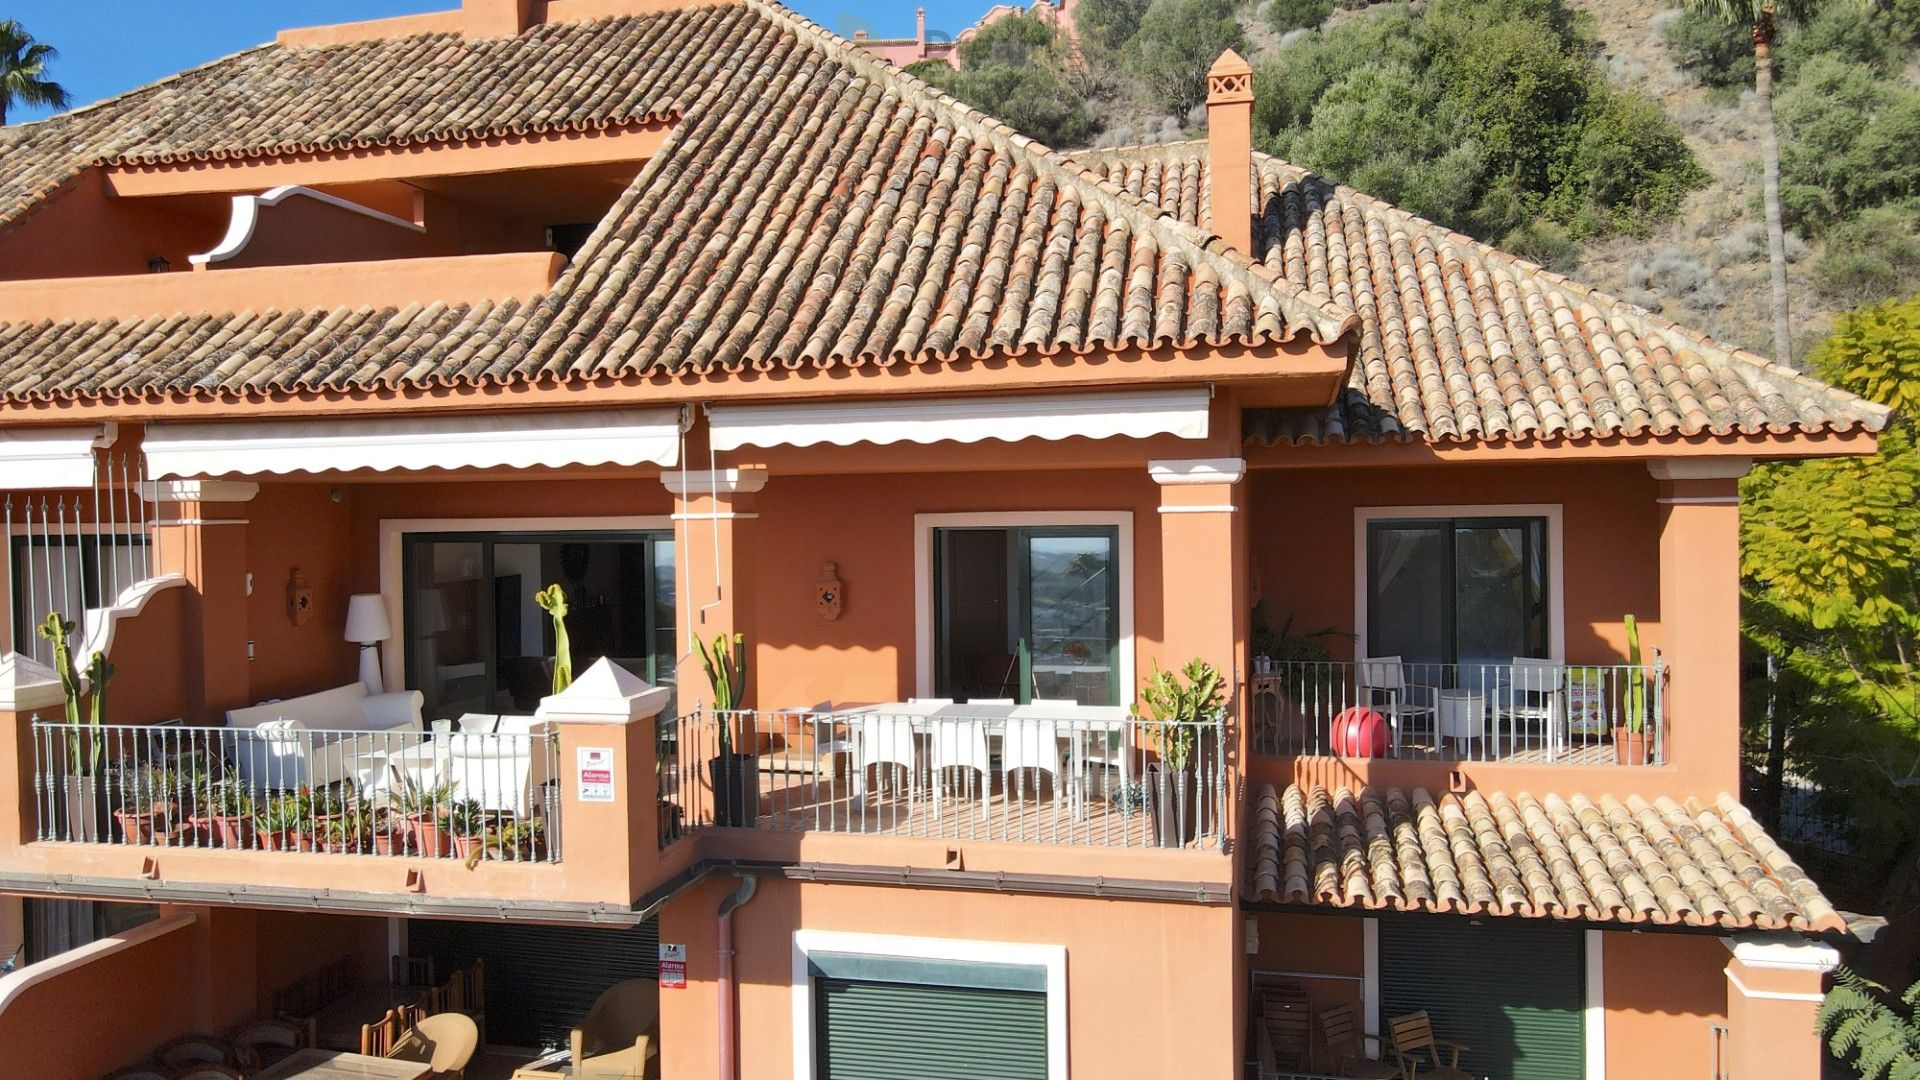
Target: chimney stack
(920, 27)
(1230, 149)
(497, 18)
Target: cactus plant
(85, 754)
(553, 601)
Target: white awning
(1130, 414)
(38, 459)
(552, 439)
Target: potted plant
(147, 806)
(81, 791)
(325, 808)
(225, 813)
(285, 822)
(1181, 705)
(735, 777)
(391, 832)
(466, 823)
(422, 806)
(553, 601)
(1632, 744)
(349, 832)
(512, 840)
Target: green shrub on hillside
(1288, 15)
(1873, 255)
(1850, 140)
(1177, 42)
(1711, 50)
(1485, 115)
(1108, 24)
(1017, 70)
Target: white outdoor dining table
(1075, 720)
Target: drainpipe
(729, 1065)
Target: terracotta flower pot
(469, 848)
(390, 837)
(428, 839)
(145, 827)
(228, 831)
(286, 840)
(1632, 747)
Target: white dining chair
(1030, 743)
(886, 740)
(1385, 677)
(1533, 701)
(960, 743)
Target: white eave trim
(47, 459)
(1135, 415)
(245, 218)
(552, 439)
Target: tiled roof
(1608, 861)
(1461, 342)
(812, 206)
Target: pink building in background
(901, 52)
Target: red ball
(1360, 732)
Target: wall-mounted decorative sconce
(299, 598)
(158, 265)
(829, 593)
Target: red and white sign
(673, 967)
(596, 774)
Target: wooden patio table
(313, 1064)
(337, 1025)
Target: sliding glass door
(1466, 591)
(1027, 613)
(477, 643)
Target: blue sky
(107, 46)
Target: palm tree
(23, 71)
(1763, 17)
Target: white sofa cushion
(387, 712)
(335, 708)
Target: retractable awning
(550, 439)
(1130, 414)
(44, 459)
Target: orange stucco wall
(865, 525)
(81, 230)
(1303, 542)
(108, 1013)
(1664, 993)
(1166, 965)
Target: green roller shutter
(541, 980)
(890, 1031)
(1512, 991)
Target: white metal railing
(1534, 711)
(67, 552)
(1054, 774)
(447, 794)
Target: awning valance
(1129, 414)
(44, 459)
(551, 439)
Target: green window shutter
(1513, 992)
(889, 1031)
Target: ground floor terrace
(773, 977)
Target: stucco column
(712, 529)
(1204, 613)
(1700, 617)
(609, 791)
(200, 533)
(1774, 987)
(27, 688)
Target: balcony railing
(1055, 774)
(452, 795)
(1531, 711)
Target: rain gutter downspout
(729, 1065)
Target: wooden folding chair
(378, 1037)
(1283, 1029)
(413, 971)
(1341, 1037)
(1418, 1049)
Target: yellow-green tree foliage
(1830, 551)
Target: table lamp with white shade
(367, 624)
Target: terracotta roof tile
(812, 206)
(1461, 342)
(1495, 853)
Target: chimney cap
(1230, 80)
